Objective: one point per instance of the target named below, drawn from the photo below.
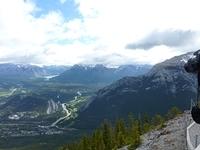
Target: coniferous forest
(122, 133)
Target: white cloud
(22, 35)
(100, 36)
(170, 38)
(117, 23)
(129, 20)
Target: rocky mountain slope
(165, 85)
(55, 70)
(171, 137)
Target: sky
(109, 32)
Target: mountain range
(28, 96)
(99, 74)
(73, 99)
(167, 84)
(140, 90)
(12, 71)
(72, 74)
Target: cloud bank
(109, 32)
(168, 38)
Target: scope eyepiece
(193, 64)
(196, 114)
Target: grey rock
(171, 137)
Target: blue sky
(68, 8)
(109, 32)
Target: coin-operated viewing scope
(193, 66)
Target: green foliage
(157, 120)
(173, 112)
(85, 143)
(120, 133)
(97, 140)
(107, 135)
(135, 133)
(110, 137)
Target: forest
(122, 133)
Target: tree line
(122, 133)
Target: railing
(193, 136)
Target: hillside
(171, 137)
(144, 133)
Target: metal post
(196, 141)
(192, 104)
(198, 89)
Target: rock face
(171, 137)
(53, 106)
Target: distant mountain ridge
(99, 73)
(9, 70)
(165, 85)
(72, 74)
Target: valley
(71, 108)
(40, 112)
(98, 74)
(37, 111)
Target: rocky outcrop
(171, 137)
(53, 106)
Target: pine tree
(136, 133)
(173, 112)
(146, 118)
(85, 143)
(131, 121)
(107, 135)
(157, 120)
(120, 133)
(120, 126)
(97, 141)
(146, 127)
(107, 138)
